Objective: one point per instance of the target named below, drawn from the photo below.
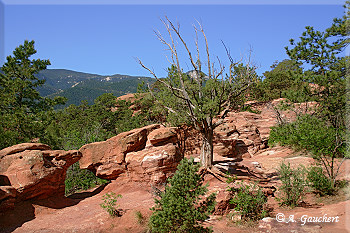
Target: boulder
(223, 205)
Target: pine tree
(20, 102)
(181, 206)
(326, 69)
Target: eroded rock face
(147, 154)
(114, 149)
(7, 197)
(238, 136)
(32, 170)
(154, 164)
(162, 136)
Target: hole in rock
(78, 180)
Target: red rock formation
(7, 197)
(162, 136)
(32, 170)
(147, 154)
(128, 98)
(243, 134)
(152, 152)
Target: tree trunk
(206, 157)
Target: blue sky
(105, 38)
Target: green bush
(293, 184)
(80, 179)
(250, 202)
(320, 182)
(248, 108)
(110, 203)
(182, 206)
(307, 133)
(139, 217)
(326, 143)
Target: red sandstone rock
(223, 205)
(162, 136)
(35, 173)
(7, 197)
(22, 147)
(126, 154)
(7, 191)
(154, 164)
(27, 172)
(114, 149)
(110, 170)
(128, 98)
(140, 155)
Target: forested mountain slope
(78, 86)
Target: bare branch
(228, 52)
(176, 30)
(197, 47)
(170, 87)
(207, 50)
(222, 68)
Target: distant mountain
(78, 86)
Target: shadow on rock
(12, 219)
(25, 211)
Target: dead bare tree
(200, 97)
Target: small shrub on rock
(139, 217)
(293, 184)
(249, 200)
(110, 203)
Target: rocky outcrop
(129, 98)
(152, 153)
(243, 134)
(33, 170)
(148, 154)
